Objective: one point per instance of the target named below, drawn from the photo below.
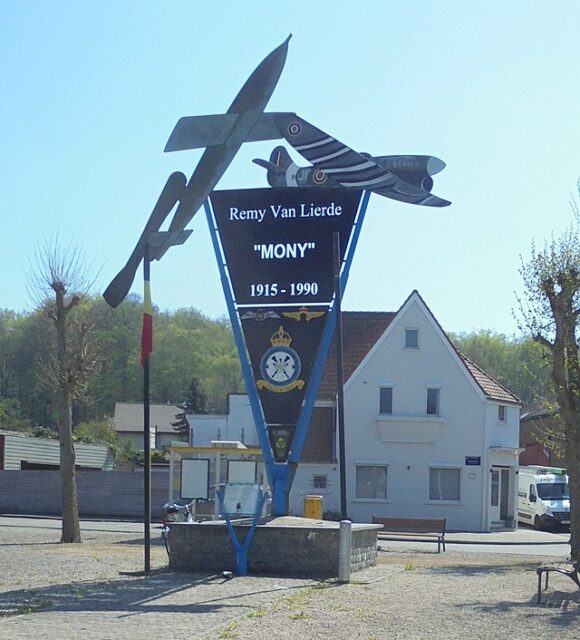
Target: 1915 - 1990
(272, 289)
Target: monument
(280, 251)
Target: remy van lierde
(278, 211)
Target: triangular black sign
(278, 248)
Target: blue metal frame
(281, 475)
(241, 548)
